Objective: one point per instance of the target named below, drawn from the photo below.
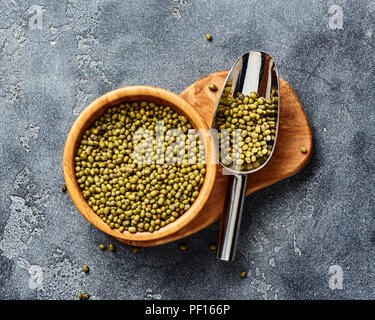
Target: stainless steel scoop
(253, 71)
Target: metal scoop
(253, 71)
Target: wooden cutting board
(294, 132)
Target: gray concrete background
(292, 232)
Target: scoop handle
(231, 218)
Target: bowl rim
(116, 97)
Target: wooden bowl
(92, 113)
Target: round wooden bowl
(93, 112)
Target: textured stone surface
(292, 232)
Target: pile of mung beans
(255, 119)
(131, 195)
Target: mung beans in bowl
(139, 163)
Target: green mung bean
(250, 123)
(135, 249)
(126, 193)
(86, 296)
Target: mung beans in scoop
(247, 128)
(129, 190)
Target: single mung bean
(135, 249)
(86, 296)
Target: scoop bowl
(253, 71)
